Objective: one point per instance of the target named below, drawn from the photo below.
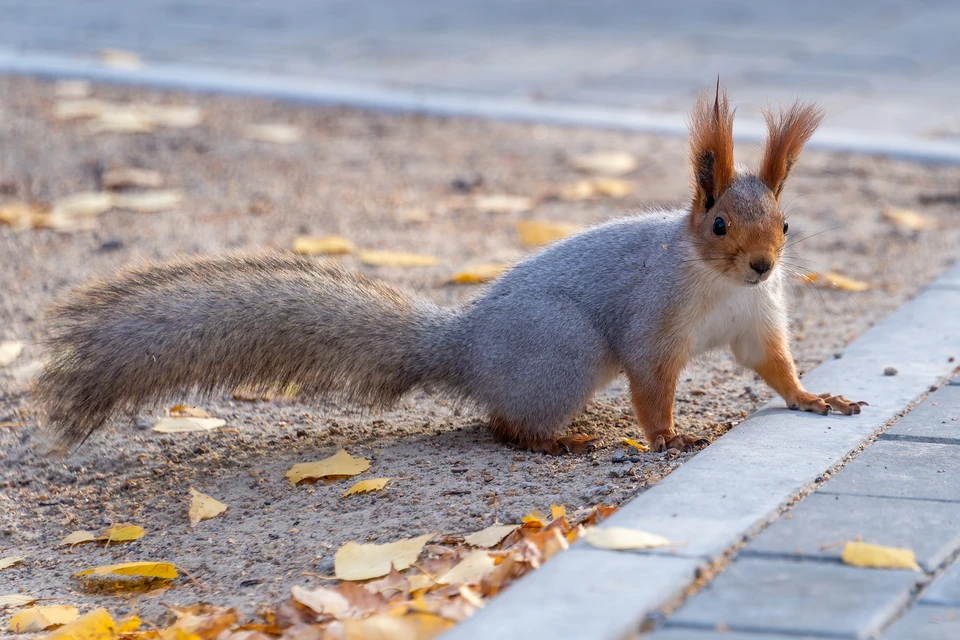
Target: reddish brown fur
(711, 143)
(788, 130)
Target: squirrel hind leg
(518, 436)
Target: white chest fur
(737, 313)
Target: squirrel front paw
(678, 441)
(824, 402)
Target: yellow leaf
(95, 625)
(15, 600)
(319, 245)
(557, 512)
(580, 190)
(907, 219)
(479, 273)
(122, 532)
(71, 89)
(39, 618)
(120, 59)
(366, 486)
(413, 626)
(608, 162)
(148, 201)
(186, 411)
(163, 570)
(501, 203)
(9, 351)
(129, 624)
(874, 556)
(11, 560)
(272, 132)
(633, 443)
(126, 177)
(619, 538)
(612, 188)
(78, 537)
(534, 233)
(364, 561)
(473, 568)
(395, 259)
(339, 465)
(186, 425)
(77, 109)
(533, 516)
(84, 203)
(491, 536)
(831, 280)
(203, 507)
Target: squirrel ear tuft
(711, 148)
(788, 131)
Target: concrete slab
(696, 634)
(945, 590)
(936, 419)
(787, 597)
(926, 623)
(820, 523)
(917, 470)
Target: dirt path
(385, 182)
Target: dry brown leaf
(12, 560)
(413, 626)
(121, 119)
(78, 537)
(94, 625)
(84, 203)
(127, 177)
(121, 532)
(364, 561)
(339, 465)
(163, 570)
(273, 132)
(614, 163)
(16, 600)
(908, 219)
(71, 89)
(395, 259)
(502, 203)
(200, 621)
(203, 507)
(187, 425)
(471, 596)
(9, 351)
(874, 556)
(37, 619)
(323, 245)
(475, 566)
(79, 109)
(480, 273)
(534, 233)
(366, 486)
(120, 59)
(831, 280)
(491, 536)
(322, 600)
(148, 201)
(621, 539)
(18, 215)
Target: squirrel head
(735, 221)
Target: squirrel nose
(761, 266)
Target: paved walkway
(788, 582)
(880, 67)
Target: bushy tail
(216, 324)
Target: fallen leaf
(174, 116)
(364, 561)
(126, 177)
(84, 203)
(491, 536)
(121, 532)
(201, 621)
(272, 132)
(413, 626)
(120, 59)
(37, 619)
(413, 214)
(203, 507)
(79, 109)
(163, 570)
(187, 425)
(557, 512)
(366, 486)
(9, 351)
(121, 119)
(186, 411)
(395, 259)
(473, 568)
(633, 443)
(874, 556)
(339, 465)
(598, 187)
(620, 539)
(129, 624)
(500, 203)
(534, 233)
(71, 89)
(322, 600)
(580, 190)
(831, 280)
(907, 219)
(15, 600)
(148, 201)
(479, 273)
(11, 560)
(78, 537)
(471, 596)
(608, 162)
(320, 245)
(94, 625)
(533, 517)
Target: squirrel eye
(720, 227)
(785, 227)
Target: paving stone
(901, 469)
(945, 590)
(931, 529)
(789, 597)
(926, 623)
(696, 634)
(937, 418)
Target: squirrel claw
(824, 402)
(680, 441)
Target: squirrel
(640, 295)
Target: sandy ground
(386, 182)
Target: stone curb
(736, 486)
(371, 96)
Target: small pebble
(890, 371)
(838, 355)
(618, 457)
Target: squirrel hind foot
(516, 436)
(678, 441)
